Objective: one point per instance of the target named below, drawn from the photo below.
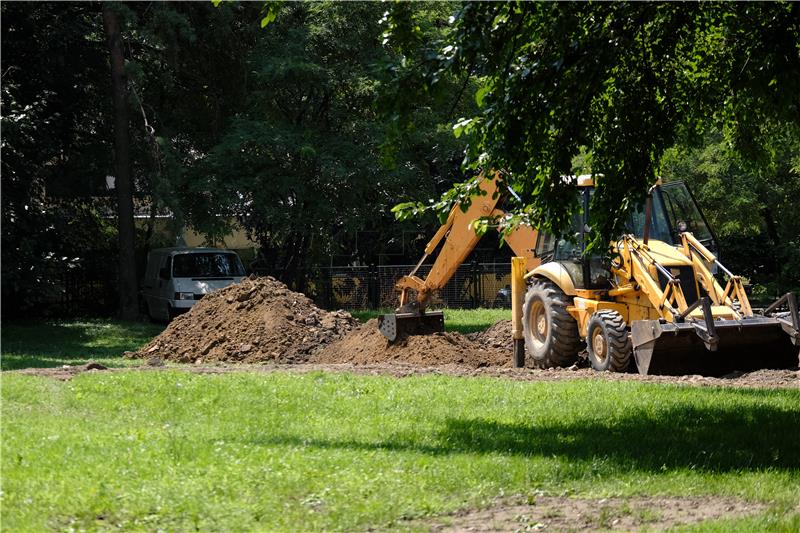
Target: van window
(207, 265)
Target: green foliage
(751, 207)
(49, 96)
(621, 81)
(299, 164)
(175, 450)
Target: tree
(749, 206)
(54, 155)
(299, 162)
(128, 285)
(621, 82)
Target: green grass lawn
(73, 342)
(177, 451)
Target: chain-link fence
(472, 285)
(89, 288)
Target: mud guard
(689, 348)
(398, 325)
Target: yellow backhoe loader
(458, 238)
(657, 308)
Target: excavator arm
(460, 239)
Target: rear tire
(551, 334)
(608, 343)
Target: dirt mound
(366, 345)
(254, 321)
(497, 336)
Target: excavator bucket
(714, 348)
(398, 325)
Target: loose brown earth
(554, 513)
(366, 345)
(782, 379)
(261, 325)
(254, 321)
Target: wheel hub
(538, 322)
(599, 346)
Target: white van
(175, 278)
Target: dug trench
(259, 325)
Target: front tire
(551, 334)
(607, 342)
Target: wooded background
(305, 123)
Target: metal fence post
(476, 276)
(373, 289)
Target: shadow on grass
(42, 344)
(714, 439)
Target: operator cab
(674, 210)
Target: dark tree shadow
(39, 344)
(713, 439)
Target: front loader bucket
(399, 325)
(688, 348)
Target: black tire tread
(619, 343)
(565, 343)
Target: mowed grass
(72, 342)
(177, 451)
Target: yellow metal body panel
(582, 310)
(458, 238)
(522, 241)
(667, 255)
(557, 274)
(518, 266)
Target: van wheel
(171, 314)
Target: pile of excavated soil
(366, 345)
(254, 321)
(497, 336)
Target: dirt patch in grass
(555, 513)
(367, 345)
(774, 379)
(65, 372)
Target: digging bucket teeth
(398, 325)
(688, 348)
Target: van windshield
(207, 265)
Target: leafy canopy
(618, 83)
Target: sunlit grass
(72, 342)
(177, 451)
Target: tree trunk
(128, 289)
